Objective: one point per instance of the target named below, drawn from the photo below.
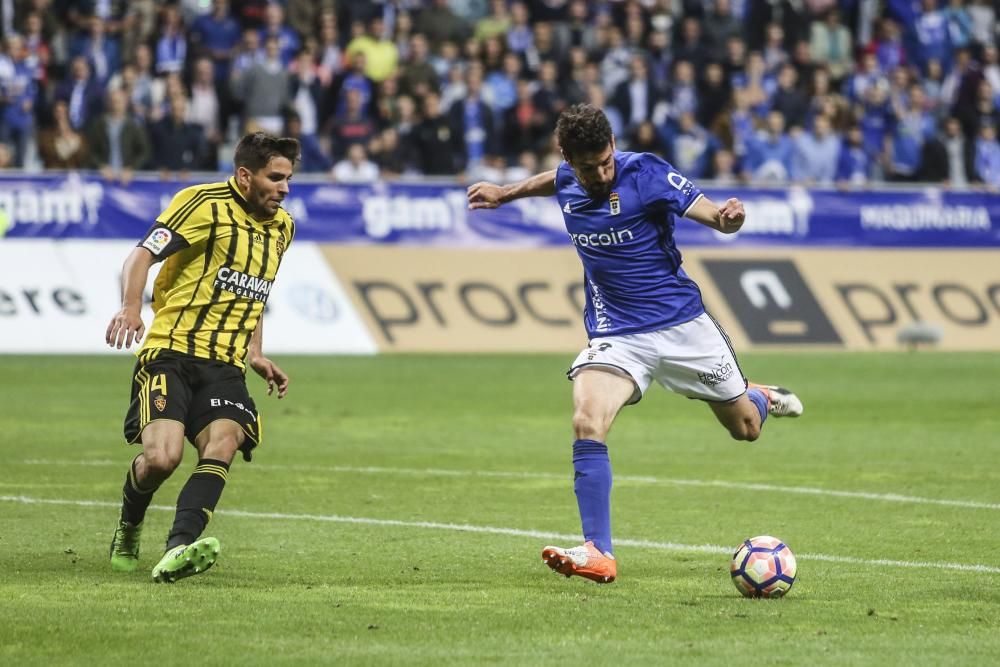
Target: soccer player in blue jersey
(644, 316)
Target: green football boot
(186, 560)
(125, 546)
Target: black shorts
(192, 391)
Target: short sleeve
(162, 241)
(178, 226)
(664, 188)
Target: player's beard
(598, 190)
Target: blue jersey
(631, 266)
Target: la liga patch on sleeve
(157, 240)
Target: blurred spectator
(991, 67)
(18, 90)
(577, 30)
(932, 35)
(961, 154)
(216, 35)
(888, 49)
(854, 164)
(984, 21)
(59, 145)
(178, 146)
(520, 36)
(724, 168)
(440, 24)
(774, 52)
(830, 44)
(312, 159)
(713, 94)
(331, 57)
(438, 147)
(816, 154)
(527, 165)
(988, 157)
(356, 167)
(204, 108)
(692, 46)
(959, 23)
(275, 26)
(81, 92)
(616, 60)
(524, 124)
(101, 50)
(381, 54)
(119, 146)
(721, 25)
(38, 53)
(683, 95)
(171, 46)
(264, 89)
(645, 139)
(353, 125)
(912, 127)
(306, 93)
(868, 75)
(417, 75)
(6, 156)
(636, 97)
(690, 146)
(392, 156)
(788, 99)
(472, 119)
(496, 24)
(770, 151)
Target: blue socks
(592, 484)
(759, 400)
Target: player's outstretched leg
(781, 402)
(186, 560)
(128, 530)
(585, 561)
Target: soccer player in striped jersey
(221, 245)
(644, 316)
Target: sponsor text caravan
(241, 284)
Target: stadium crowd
(851, 92)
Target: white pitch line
(639, 479)
(515, 532)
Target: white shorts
(694, 359)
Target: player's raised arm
(727, 218)
(491, 195)
(126, 326)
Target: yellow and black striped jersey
(219, 267)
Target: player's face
(596, 171)
(268, 187)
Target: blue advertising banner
(82, 207)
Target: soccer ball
(763, 567)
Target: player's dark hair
(583, 128)
(256, 149)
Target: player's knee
(588, 426)
(222, 447)
(745, 429)
(161, 462)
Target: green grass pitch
(397, 509)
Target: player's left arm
(263, 366)
(727, 218)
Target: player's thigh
(697, 361)
(221, 406)
(630, 357)
(220, 440)
(163, 445)
(599, 393)
(160, 398)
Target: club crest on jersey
(160, 402)
(616, 206)
(280, 246)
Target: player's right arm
(126, 326)
(491, 195)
